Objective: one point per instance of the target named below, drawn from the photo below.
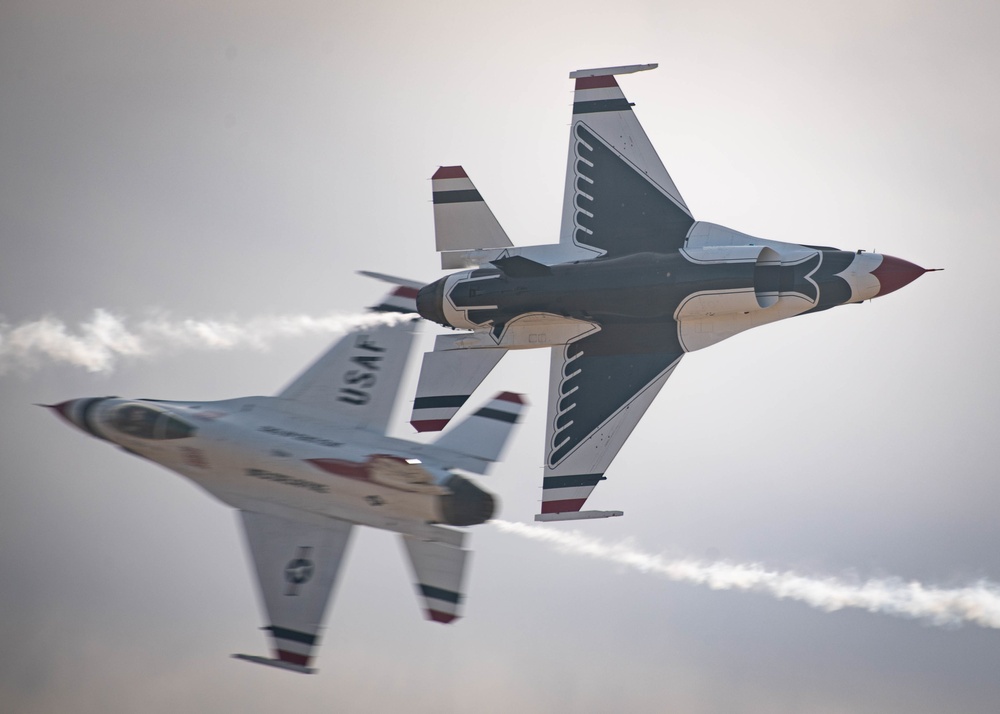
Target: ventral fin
(517, 266)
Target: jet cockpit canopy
(147, 422)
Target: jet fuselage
(264, 450)
(718, 286)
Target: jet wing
(618, 198)
(297, 564)
(599, 388)
(357, 379)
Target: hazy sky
(239, 161)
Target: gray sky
(238, 160)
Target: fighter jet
(307, 465)
(633, 284)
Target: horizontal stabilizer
(576, 515)
(402, 299)
(447, 378)
(275, 663)
(484, 433)
(462, 220)
(392, 279)
(438, 569)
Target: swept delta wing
(599, 388)
(297, 563)
(618, 197)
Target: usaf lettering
(363, 379)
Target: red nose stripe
(895, 273)
(63, 408)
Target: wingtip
(512, 397)
(611, 71)
(277, 663)
(445, 618)
(576, 515)
(450, 172)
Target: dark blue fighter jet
(633, 284)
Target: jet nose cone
(79, 412)
(894, 273)
(63, 409)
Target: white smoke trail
(977, 603)
(98, 344)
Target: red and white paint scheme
(634, 283)
(307, 465)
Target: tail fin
(439, 570)
(448, 376)
(357, 379)
(483, 435)
(462, 220)
(402, 299)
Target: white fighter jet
(634, 283)
(307, 465)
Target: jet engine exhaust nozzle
(467, 504)
(430, 302)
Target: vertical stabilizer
(357, 379)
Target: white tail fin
(357, 379)
(438, 569)
(483, 434)
(402, 299)
(448, 376)
(462, 220)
